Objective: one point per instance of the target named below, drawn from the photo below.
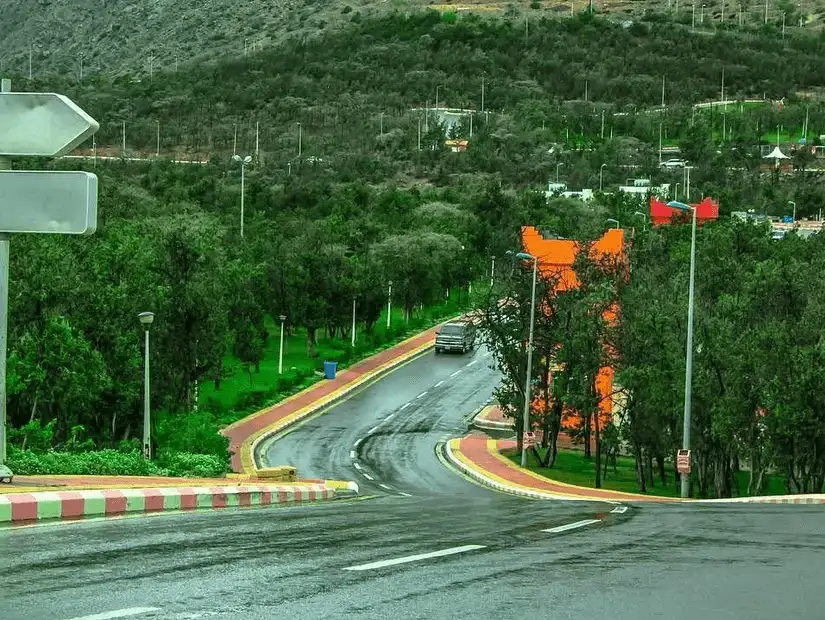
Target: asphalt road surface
(431, 545)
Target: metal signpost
(46, 125)
(683, 461)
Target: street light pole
(644, 219)
(613, 221)
(689, 349)
(300, 139)
(561, 163)
(492, 271)
(791, 202)
(389, 306)
(146, 319)
(601, 170)
(526, 421)
(157, 145)
(281, 347)
(243, 162)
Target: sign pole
(5, 87)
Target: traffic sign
(42, 124)
(683, 461)
(529, 440)
(48, 202)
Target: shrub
(191, 465)
(98, 463)
(194, 432)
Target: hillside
(113, 36)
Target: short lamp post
(389, 305)
(613, 221)
(791, 202)
(601, 176)
(146, 319)
(644, 218)
(528, 382)
(281, 347)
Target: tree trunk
(650, 475)
(311, 342)
(31, 419)
(596, 422)
(660, 462)
(258, 367)
(587, 451)
(640, 470)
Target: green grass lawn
(572, 468)
(238, 396)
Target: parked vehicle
(456, 336)
(673, 163)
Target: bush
(191, 465)
(98, 463)
(115, 463)
(195, 432)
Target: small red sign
(683, 461)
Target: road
(669, 561)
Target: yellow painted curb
(492, 448)
(456, 450)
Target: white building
(644, 188)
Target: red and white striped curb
(19, 507)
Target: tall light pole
(281, 347)
(157, 144)
(558, 165)
(146, 319)
(492, 271)
(676, 192)
(601, 171)
(300, 139)
(644, 218)
(613, 221)
(389, 306)
(791, 202)
(243, 163)
(689, 350)
(528, 382)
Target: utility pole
(235, 141)
(257, 139)
(419, 133)
(766, 11)
(30, 61)
(123, 145)
(601, 135)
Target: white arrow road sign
(48, 202)
(42, 124)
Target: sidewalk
(492, 418)
(480, 457)
(245, 434)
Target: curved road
(362, 558)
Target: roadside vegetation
(341, 198)
(757, 408)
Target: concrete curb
(28, 507)
(768, 499)
(477, 475)
(490, 425)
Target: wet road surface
(429, 545)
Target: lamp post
(389, 306)
(243, 162)
(281, 347)
(689, 350)
(601, 170)
(157, 144)
(353, 321)
(613, 221)
(300, 139)
(644, 218)
(791, 202)
(527, 382)
(676, 192)
(558, 165)
(146, 319)
(492, 271)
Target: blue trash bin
(329, 369)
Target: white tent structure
(776, 154)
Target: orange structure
(555, 261)
(661, 214)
